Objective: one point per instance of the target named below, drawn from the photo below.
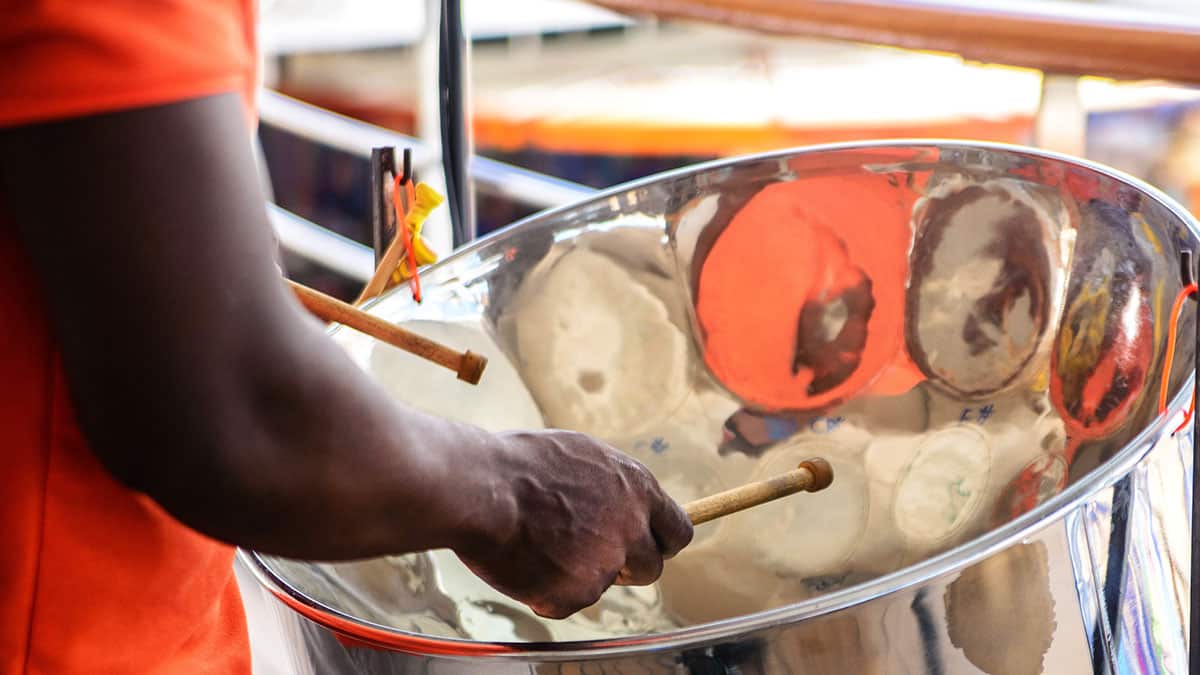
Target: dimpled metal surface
(973, 335)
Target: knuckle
(573, 603)
(551, 610)
(592, 595)
(645, 574)
(675, 538)
(686, 532)
(680, 542)
(574, 594)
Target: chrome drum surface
(973, 335)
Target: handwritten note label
(825, 425)
(657, 445)
(977, 415)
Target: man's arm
(198, 379)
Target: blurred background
(585, 97)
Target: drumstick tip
(821, 471)
(470, 367)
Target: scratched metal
(974, 335)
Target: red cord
(410, 191)
(1172, 336)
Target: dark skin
(198, 379)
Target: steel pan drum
(973, 335)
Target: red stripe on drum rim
(354, 634)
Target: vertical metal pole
(437, 231)
(1061, 122)
(454, 74)
(1189, 277)
(383, 219)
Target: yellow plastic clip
(426, 199)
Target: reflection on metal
(1106, 346)
(986, 278)
(923, 315)
(1007, 594)
(326, 248)
(357, 138)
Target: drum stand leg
(454, 55)
(1189, 277)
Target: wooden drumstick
(811, 476)
(467, 365)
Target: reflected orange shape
(836, 244)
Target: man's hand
(578, 516)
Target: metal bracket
(383, 214)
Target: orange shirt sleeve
(68, 58)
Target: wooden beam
(1077, 45)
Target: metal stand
(1189, 277)
(383, 218)
(453, 60)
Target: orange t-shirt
(96, 578)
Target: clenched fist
(572, 517)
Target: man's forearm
(196, 376)
(322, 449)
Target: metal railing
(324, 247)
(357, 138)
